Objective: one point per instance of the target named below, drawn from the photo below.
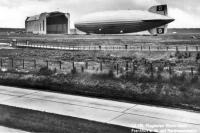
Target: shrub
(160, 69)
(197, 56)
(150, 69)
(130, 76)
(175, 79)
(159, 77)
(146, 79)
(73, 71)
(110, 74)
(171, 56)
(144, 87)
(183, 89)
(195, 79)
(159, 88)
(183, 76)
(46, 71)
(104, 76)
(178, 55)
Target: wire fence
(171, 48)
(117, 68)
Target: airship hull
(121, 27)
(118, 22)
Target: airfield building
(48, 23)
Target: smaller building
(48, 23)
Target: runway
(107, 111)
(10, 130)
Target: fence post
(176, 48)
(197, 48)
(186, 48)
(149, 48)
(1, 62)
(141, 48)
(99, 47)
(27, 42)
(151, 69)
(127, 66)
(23, 63)
(73, 65)
(12, 62)
(47, 63)
(14, 43)
(126, 47)
(60, 64)
(35, 65)
(101, 66)
(117, 68)
(167, 48)
(82, 69)
(86, 65)
(192, 71)
(170, 69)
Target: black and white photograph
(99, 66)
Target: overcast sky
(14, 12)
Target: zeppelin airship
(155, 20)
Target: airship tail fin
(159, 30)
(159, 9)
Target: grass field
(159, 78)
(169, 39)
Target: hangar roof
(33, 18)
(50, 14)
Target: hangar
(48, 23)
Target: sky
(14, 12)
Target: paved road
(10, 130)
(107, 111)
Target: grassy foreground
(35, 121)
(169, 79)
(176, 91)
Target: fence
(118, 68)
(171, 48)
